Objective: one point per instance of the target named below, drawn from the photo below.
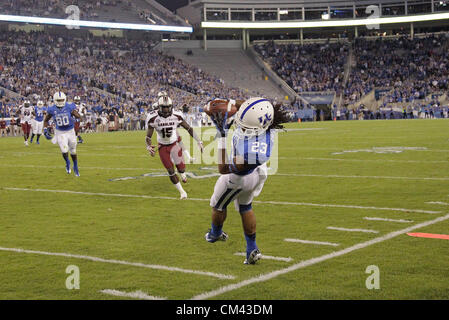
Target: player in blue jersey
(244, 174)
(63, 114)
(37, 123)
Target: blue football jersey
(254, 150)
(39, 113)
(63, 116)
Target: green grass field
(134, 235)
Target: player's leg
(25, 133)
(63, 143)
(253, 187)
(39, 126)
(164, 154)
(33, 129)
(71, 139)
(178, 159)
(224, 193)
(185, 152)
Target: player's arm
(151, 149)
(190, 130)
(46, 132)
(76, 114)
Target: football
(220, 106)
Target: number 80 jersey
(165, 127)
(63, 116)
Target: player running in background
(63, 114)
(78, 104)
(185, 152)
(26, 113)
(245, 172)
(38, 121)
(165, 121)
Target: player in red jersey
(26, 113)
(165, 121)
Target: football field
(342, 203)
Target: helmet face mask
(40, 104)
(77, 100)
(26, 103)
(165, 106)
(59, 99)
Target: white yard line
(352, 230)
(361, 177)
(368, 160)
(323, 243)
(265, 257)
(135, 294)
(201, 199)
(313, 261)
(62, 167)
(127, 263)
(438, 202)
(389, 220)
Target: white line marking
(344, 206)
(352, 230)
(200, 199)
(390, 220)
(243, 254)
(136, 294)
(438, 202)
(134, 264)
(360, 177)
(62, 167)
(368, 160)
(310, 262)
(313, 242)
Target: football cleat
(68, 170)
(77, 173)
(26, 143)
(210, 238)
(254, 256)
(183, 177)
(183, 196)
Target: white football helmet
(40, 104)
(26, 103)
(59, 99)
(254, 117)
(162, 93)
(77, 100)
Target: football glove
(152, 150)
(47, 134)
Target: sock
(216, 230)
(75, 164)
(250, 243)
(66, 158)
(32, 137)
(179, 187)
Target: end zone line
(310, 262)
(134, 264)
(135, 294)
(304, 204)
